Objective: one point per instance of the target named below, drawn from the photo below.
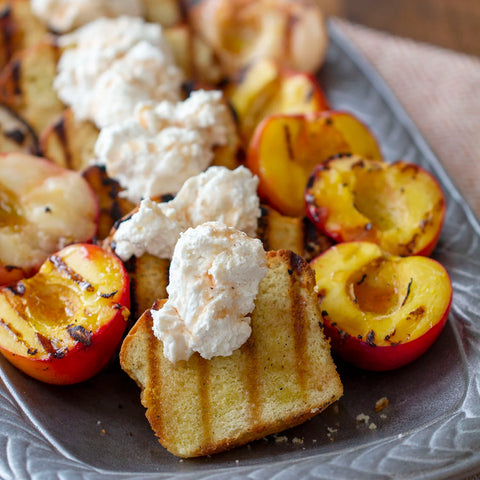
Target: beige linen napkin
(440, 90)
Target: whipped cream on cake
(218, 194)
(65, 15)
(163, 145)
(110, 65)
(214, 278)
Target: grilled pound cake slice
(280, 377)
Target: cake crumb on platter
(381, 403)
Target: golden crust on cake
(282, 376)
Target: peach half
(399, 206)
(380, 311)
(265, 88)
(62, 325)
(285, 149)
(43, 208)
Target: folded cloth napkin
(440, 90)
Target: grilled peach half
(380, 311)
(242, 31)
(399, 206)
(62, 325)
(285, 149)
(43, 208)
(265, 88)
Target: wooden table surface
(453, 24)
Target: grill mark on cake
(56, 50)
(298, 312)
(133, 297)
(287, 40)
(263, 229)
(154, 374)
(16, 77)
(191, 55)
(203, 377)
(61, 133)
(7, 27)
(251, 370)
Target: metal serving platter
(430, 430)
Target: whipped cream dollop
(214, 279)
(65, 15)
(110, 65)
(164, 144)
(218, 194)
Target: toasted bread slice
(19, 29)
(26, 84)
(280, 377)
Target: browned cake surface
(282, 376)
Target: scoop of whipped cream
(65, 15)
(214, 279)
(110, 65)
(162, 145)
(218, 194)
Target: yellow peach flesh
(398, 206)
(74, 290)
(363, 290)
(286, 148)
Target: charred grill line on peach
(61, 266)
(80, 334)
